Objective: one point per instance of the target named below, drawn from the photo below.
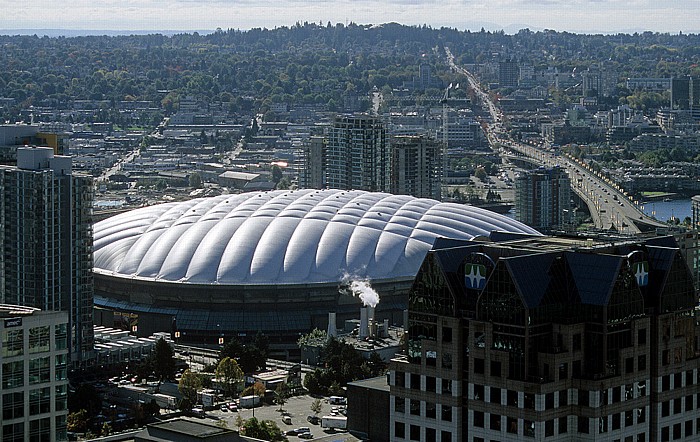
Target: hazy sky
(592, 16)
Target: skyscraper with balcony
(357, 154)
(543, 198)
(46, 246)
(416, 166)
(313, 157)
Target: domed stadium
(276, 262)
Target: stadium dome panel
(281, 251)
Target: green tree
(376, 365)
(150, 409)
(265, 430)
(316, 406)
(335, 389)
(106, 429)
(283, 184)
(314, 338)
(163, 361)
(189, 386)
(257, 389)
(281, 394)
(239, 422)
(251, 357)
(161, 185)
(77, 421)
(312, 382)
(276, 174)
(195, 180)
(229, 374)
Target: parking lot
(298, 408)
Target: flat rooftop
(379, 383)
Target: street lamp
(221, 335)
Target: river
(664, 210)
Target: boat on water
(666, 200)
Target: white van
(336, 400)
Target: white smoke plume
(361, 289)
(364, 291)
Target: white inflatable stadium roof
(285, 237)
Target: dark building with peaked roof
(549, 338)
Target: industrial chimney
(364, 323)
(332, 332)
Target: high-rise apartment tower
(416, 166)
(46, 246)
(543, 198)
(357, 155)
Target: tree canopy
(229, 375)
(248, 71)
(163, 360)
(265, 430)
(251, 356)
(341, 364)
(189, 386)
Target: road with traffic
(611, 207)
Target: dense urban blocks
(275, 262)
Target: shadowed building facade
(548, 338)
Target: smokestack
(405, 319)
(332, 332)
(385, 333)
(364, 323)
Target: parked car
(313, 419)
(306, 435)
